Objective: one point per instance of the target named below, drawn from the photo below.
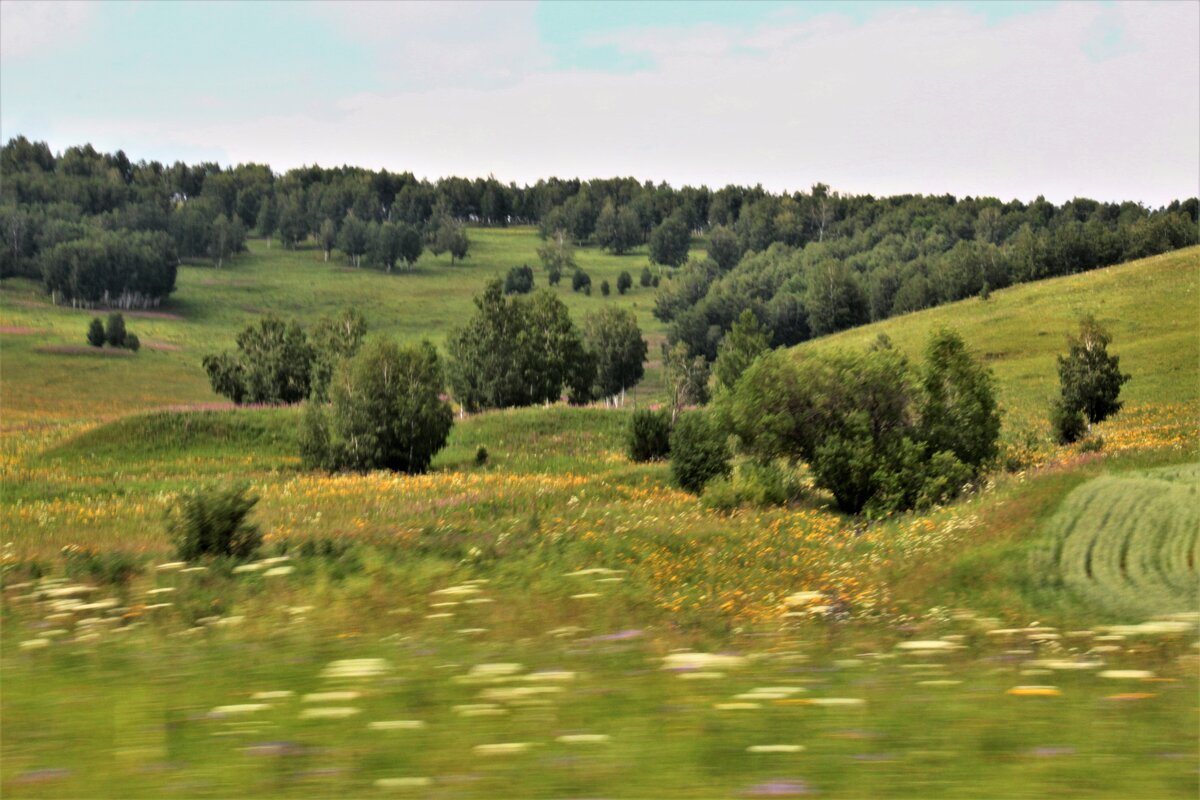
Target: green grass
(114, 695)
(1128, 542)
(210, 306)
(1149, 307)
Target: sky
(1007, 99)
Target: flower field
(561, 622)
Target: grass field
(46, 381)
(561, 622)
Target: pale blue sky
(1005, 98)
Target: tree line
(875, 256)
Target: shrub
(649, 435)
(1068, 424)
(95, 334)
(132, 342)
(212, 522)
(519, 280)
(114, 331)
(604, 288)
(721, 495)
(1092, 444)
(699, 451)
(624, 282)
(581, 281)
(554, 275)
(481, 456)
(116, 568)
(647, 278)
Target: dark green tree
(669, 242)
(334, 339)
(327, 235)
(581, 282)
(268, 219)
(613, 339)
(515, 351)
(353, 239)
(519, 280)
(746, 341)
(411, 244)
(723, 247)
(114, 331)
(647, 278)
(958, 404)
(451, 237)
(386, 412)
(624, 282)
(273, 364)
(699, 451)
(1090, 378)
(95, 334)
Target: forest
(99, 229)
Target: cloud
(424, 46)
(929, 99)
(30, 29)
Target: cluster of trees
(878, 433)
(879, 255)
(278, 362)
(518, 350)
(113, 334)
(806, 275)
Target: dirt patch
(101, 311)
(153, 315)
(162, 347)
(17, 330)
(83, 350)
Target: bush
(699, 451)
(519, 280)
(132, 342)
(116, 568)
(481, 456)
(624, 282)
(649, 435)
(114, 331)
(604, 288)
(647, 278)
(581, 282)
(1092, 444)
(95, 334)
(212, 522)
(554, 275)
(1089, 377)
(721, 496)
(1068, 424)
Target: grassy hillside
(50, 374)
(1151, 307)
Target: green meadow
(561, 622)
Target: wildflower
(329, 712)
(241, 708)
(278, 571)
(1127, 674)
(1034, 691)
(775, 748)
(502, 748)
(329, 697)
(402, 783)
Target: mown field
(560, 622)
